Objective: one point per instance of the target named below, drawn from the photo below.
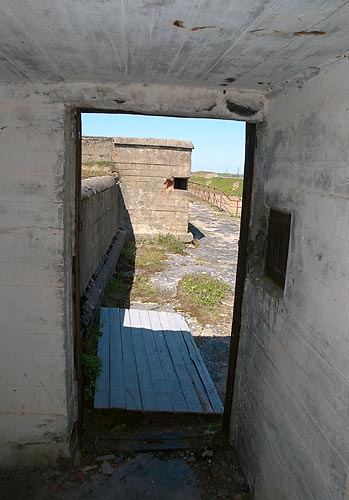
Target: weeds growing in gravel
(144, 291)
(201, 295)
(152, 253)
(137, 262)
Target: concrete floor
(143, 476)
(195, 474)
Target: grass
(144, 291)
(123, 289)
(132, 279)
(150, 257)
(201, 295)
(230, 185)
(97, 168)
(151, 254)
(109, 164)
(91, 362)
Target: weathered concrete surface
(144, 166)
(37, 246)
(164, 100)
(291, 413)
(166, 42)
(97, 149)
(265, 41)
(37, 391)
(92, 297)
(100, 221)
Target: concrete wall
(37, 390)
(100, 219)
(97, 149)
(37, 199)
(292, 408)
(144, 166)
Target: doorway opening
(159, 275)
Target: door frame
(241, 273)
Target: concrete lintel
(162, 100)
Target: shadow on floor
(142, 477)
(198, 235)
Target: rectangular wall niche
(277, 246)
(181, 183)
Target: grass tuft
(201, 295)
(144, 291)
(151, 253)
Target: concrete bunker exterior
(153, 177)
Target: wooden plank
(195, 377)
(102, 381)
(117, 381)
(133, 396)
(143, 370)
(199, 363)
(203, 373)
(151, 363)
(174, 342)
(161, 396)
(178, 400)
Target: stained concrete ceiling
(249, 44)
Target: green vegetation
(144, 291)
(171, 244)
(201, 295)
(229, 184)
(97, 168)
(91, 362)
(107, 164)
(131, 281)
(117, 288)
(151, 253)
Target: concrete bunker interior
(279, 64)
(103, 153)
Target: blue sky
(219, 144)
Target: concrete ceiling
(249, 44)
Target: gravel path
(218, 236)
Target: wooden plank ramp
(151, 363)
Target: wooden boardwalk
(151, 363)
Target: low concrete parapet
(100, 221)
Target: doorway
(241, 268)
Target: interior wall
(291, 416)
(36, 390)
(38, 395)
